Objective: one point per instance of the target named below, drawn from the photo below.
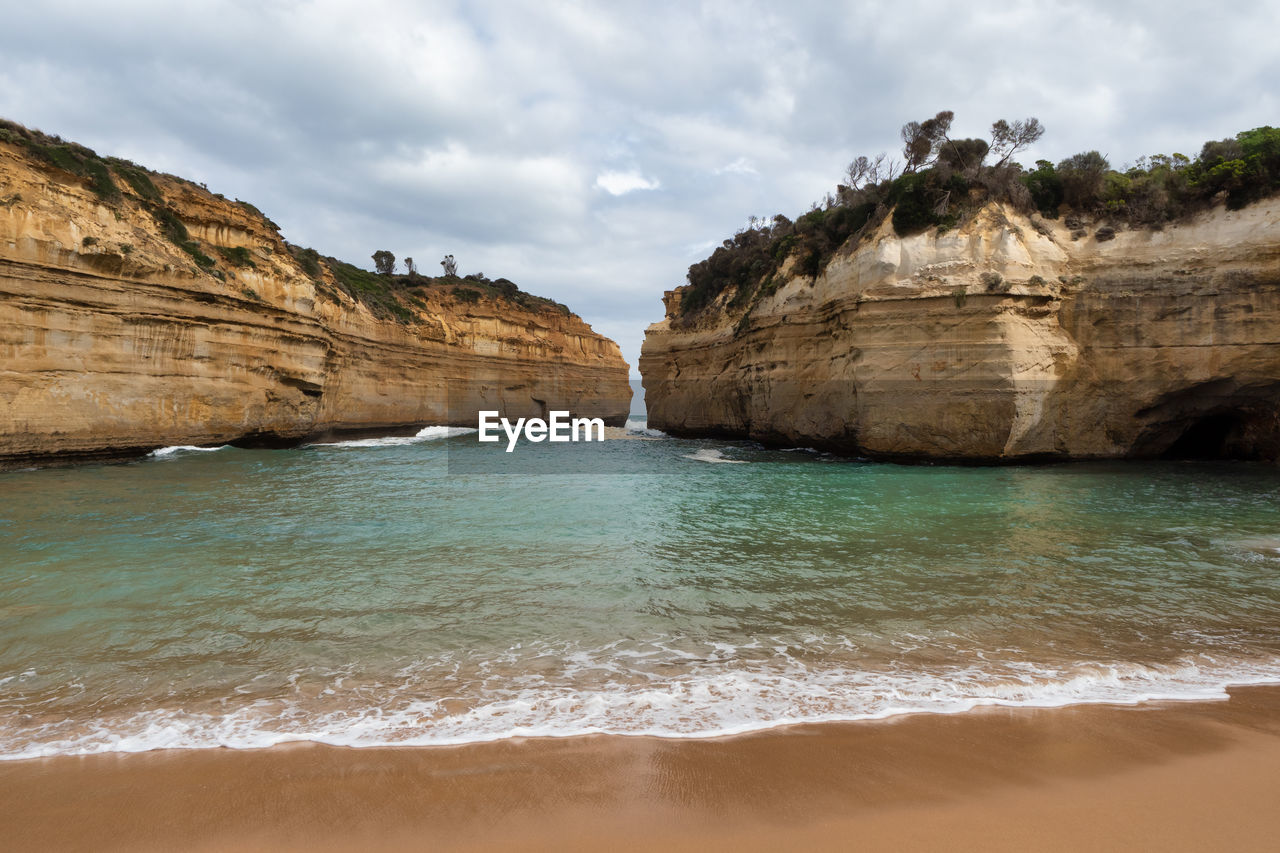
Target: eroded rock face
(121, 342)
(1001, 340)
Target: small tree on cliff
(450, 266)
(384, 262)
(1082, 178)
(920, 138)
(411, 268)
(1008, 139)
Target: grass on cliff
(944, 181)
(101, 174)
(470, 288)
(67, 156)
(386, 295)
(171, 226)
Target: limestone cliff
(165, 315)
(1003, 339)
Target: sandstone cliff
(115, 339)
(1003, 339)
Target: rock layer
(113, 340)
(1004, 339)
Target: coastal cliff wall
(115, 339)
(1006, 338)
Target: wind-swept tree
(920, 138)
(868, 171)
(410, 267)
(384, 262)
(450, 265)
(1008, 139)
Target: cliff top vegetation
(939, 181)
(114, 181)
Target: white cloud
(621, 183)
(741, 166)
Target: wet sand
(1169, 776)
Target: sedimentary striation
(115, 339)
(1007, 338)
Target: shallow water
(375, 592)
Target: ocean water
(373, 592)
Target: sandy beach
(1167, 776)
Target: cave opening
(1211, 437)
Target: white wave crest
(718, 695)
(1268, 546)
(712, 455)
(430, 433)
(184, 448)
(635, 427)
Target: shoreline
(137, 453)
(1172, 775)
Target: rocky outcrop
(1007, 338)
(114, 339)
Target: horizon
(590, 154)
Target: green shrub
(1045, 186)
(748, 262)
(172, 228)
(357, 282)
(924, 199)
(810, 264)
(100, 180)
(138, 179)
(963, 155)
(308, 260)
(67, 156)
(742, 296)
(237, 255)
(1082, 179)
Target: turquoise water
(374, 593)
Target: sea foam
(430, 433)
(636, 427)
(710, 454)
(711, 698)
(184, 448)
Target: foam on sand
(619, 690)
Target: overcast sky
(591, 151)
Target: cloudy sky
(592, 151)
